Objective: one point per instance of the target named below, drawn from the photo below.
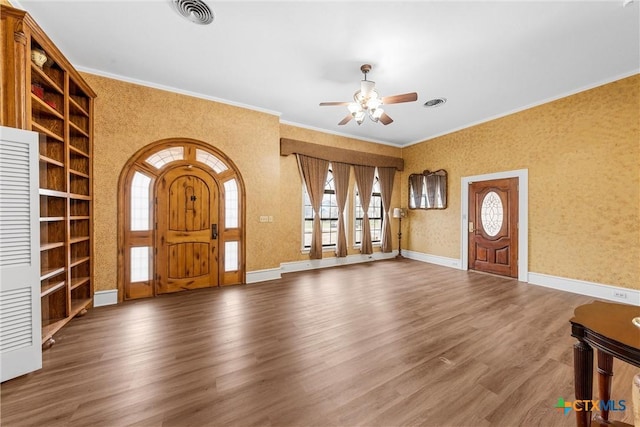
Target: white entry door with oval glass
(493, 226)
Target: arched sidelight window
(184, 188)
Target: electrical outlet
(264, 218)
(620, 294)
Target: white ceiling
(487, 58)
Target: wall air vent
(195, 11)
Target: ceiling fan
(367, 102)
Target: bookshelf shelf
(54, 100)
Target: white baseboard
(263, 275)
(582, 287)
(102, 298)
(591, 289)
(312, 264)
(432, 259)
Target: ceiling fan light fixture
(376, 114)
(367, 102)
(373, 103)
(366, 88)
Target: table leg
(583, 380)
(605, 373)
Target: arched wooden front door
(181, 220)
(187, 234)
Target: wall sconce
(399, 213)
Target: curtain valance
(335, 154)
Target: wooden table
(608, 327)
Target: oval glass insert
(491, 213)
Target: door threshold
(492, 274)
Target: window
(231, 204)
(230, 256)
(140, 202)
(328, 215)
(210, 160)
(140, 256)
(375, 215)
(168, 155)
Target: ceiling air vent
(435, 102)
(195, 11)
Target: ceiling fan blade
(396, 99)
(346, 120)
(331, 104)
(385, 119)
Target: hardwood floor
(377, 344)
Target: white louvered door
(20, 324)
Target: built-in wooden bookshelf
(52, 99)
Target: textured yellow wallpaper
(582, 153)
(583, 157)
(129, 116)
